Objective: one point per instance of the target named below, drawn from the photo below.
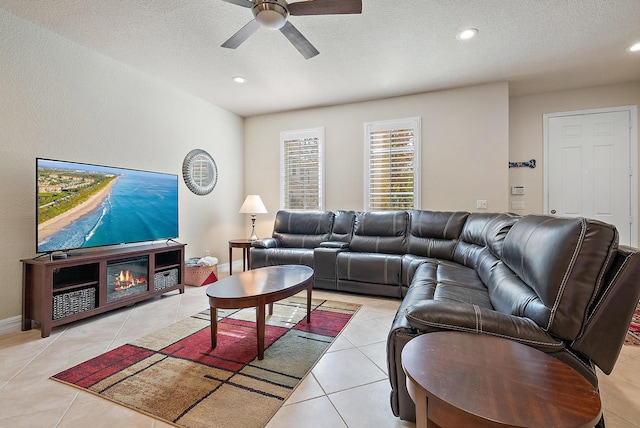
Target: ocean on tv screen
(133, 206)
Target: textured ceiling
(395, 47)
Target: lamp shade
(253, 205)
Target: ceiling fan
(273, 14)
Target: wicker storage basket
(200, 275)
(73, 302)
(165, 279)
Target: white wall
(60, 100)
(464, 149)
(526, 129)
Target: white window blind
(302, 169)
(393, 165)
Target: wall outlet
(517, 205)
(481, 204)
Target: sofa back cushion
(343, 226)
(553, 268)
(435, 233)
(380, 232)
(302, 229)
(480, 231)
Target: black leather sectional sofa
(561, 285)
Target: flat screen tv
(81, 205)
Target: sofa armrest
(606, 327)
(433, 315)
(334, 244)
(265, 243)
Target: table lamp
(253, 205)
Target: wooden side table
(464, 379)
(245, 244)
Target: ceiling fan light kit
(273, 14)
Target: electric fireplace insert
(127, 277)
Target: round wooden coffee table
(464, 379)
(258, 288)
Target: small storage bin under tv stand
(60, 291)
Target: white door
(590, 168)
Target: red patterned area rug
(174, 375)
(633, 334)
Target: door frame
(633, 158)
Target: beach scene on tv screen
(83, 205)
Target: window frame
(413, 123)
(301, 134)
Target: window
(302, 169)
(392, 165)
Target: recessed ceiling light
(635, 48)
(239, 79)
(467, 33)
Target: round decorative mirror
(200, 172)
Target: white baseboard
(10, 325)
(224, 267)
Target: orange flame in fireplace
(125, 276)
(126, 280)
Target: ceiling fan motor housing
(271, 14)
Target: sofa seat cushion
(369, 267)
(451, 282)
(455, 298)
(261, 257)
(434, 315)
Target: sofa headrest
(497, 230)
(381, 223)
(305, 229)
(482, 231)
(437, 224)
(476, 226)
(564, 261)
(303, 222)
(381, 232)
(343, 226)
(435, 233)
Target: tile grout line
(53, 340)
(75, 397)
(115, 336)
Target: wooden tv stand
(60, 291)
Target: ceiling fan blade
(299, 41)
(242, 35)
(325, 7)
(243, 3)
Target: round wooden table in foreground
(258, 287)
(476, 380)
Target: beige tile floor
(347, 388)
